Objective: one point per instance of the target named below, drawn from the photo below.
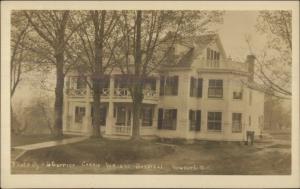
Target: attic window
(213, 58)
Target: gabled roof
(195, 45)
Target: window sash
(236, 122)
(214, 121)
(215, 89)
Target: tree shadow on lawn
(99, 151)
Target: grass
(99, 151)
(17, 140)
(149, 157)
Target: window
(195, 120)
(79, 114)
(215, 89)
(167, 119)
(214, 121)
(213, 58)
(81, 83)
(237, 95)
(103, 113)
(196, 87)
(236, 122)
(147, 116)
(169, 85)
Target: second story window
(81, 83)
(215, 88)
(196, 87)
(169, 86)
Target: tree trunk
(136, 111)
(98, 71)
(59, 94)
(96, 109)
(137, 88)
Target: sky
(232, 32)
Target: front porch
(116, 119)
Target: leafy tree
(148, 38)
(273, 66)
(50, 39)
(93, 36)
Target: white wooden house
(203, 95)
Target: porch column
(88, 90)
(110, 112)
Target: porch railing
(76, 92)
(121, 92)
(125, 92)
(122, 130)
(104, 93)
(149, 94)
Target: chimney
(250, 61)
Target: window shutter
(160, 118)
(198, 120)
(190, 114)
(199, 87)
(174, 118)
(191, 86)
(162, 86)
(175, 82)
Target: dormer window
(213, 58)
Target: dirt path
(19, 151)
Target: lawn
(150, 157)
